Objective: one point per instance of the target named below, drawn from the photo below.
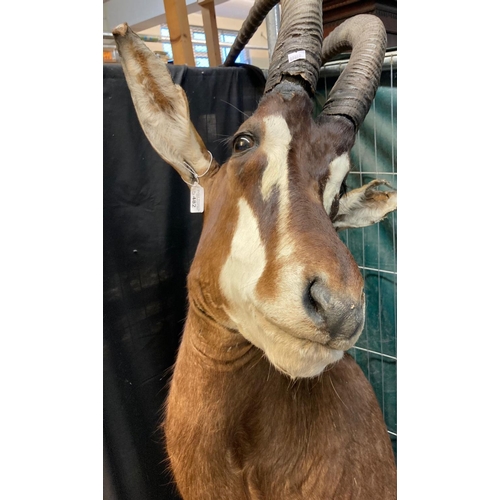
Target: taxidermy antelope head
(270, 266)
(271, 284)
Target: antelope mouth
(323, 336)
(296, 346)
(309, 360)
(295, 353)
(344, 344)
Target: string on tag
(197, 201)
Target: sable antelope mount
(264, 403)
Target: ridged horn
(255, 17)
(297, 53)
(355, 89)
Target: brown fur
(146, 79)
(236, 427)
(239, 429)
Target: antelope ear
(365, 206)
(162, 107)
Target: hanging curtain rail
(333, 68)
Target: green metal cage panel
(374, 156)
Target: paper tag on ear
(197, 199)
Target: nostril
(337, 315)
(320, 295)
(317, 300)
(310, 298)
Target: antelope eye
(242, 143)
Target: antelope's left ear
(365, 206)
(162, 107)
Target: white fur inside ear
(338, 170)
(162, 108)
(171, 134)
(365, 206)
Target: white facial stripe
(276, 144)
(246, 261)
(241, 272)
(247, 258)
(338, 170)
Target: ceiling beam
(211, 32)
(179, 32)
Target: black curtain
(149, 242)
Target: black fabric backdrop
(149, 242)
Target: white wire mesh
(374, 248)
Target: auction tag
(197, 199)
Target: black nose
(337, 314)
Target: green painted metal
(374, 156)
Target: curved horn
(355, 89)
(255, 17)
(297, 54)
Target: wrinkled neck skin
(216, 346)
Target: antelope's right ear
(162, 107)
(365, 206)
